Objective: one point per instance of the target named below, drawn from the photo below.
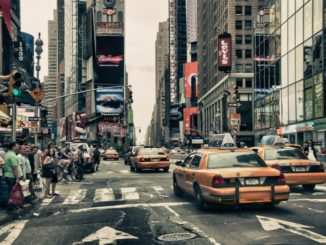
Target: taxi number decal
(252, 181)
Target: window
(238, 39)
(248, 25)
(239, 82)
(248, 83)
(248, 39)
(188, 160)
(238, 53)
(308, 103)
(196, 161)
(238, 67)
(238, 10)
(299, 100)
(248, 67)
(248, 10)
(307, 57)
(291, 64)
(248, 53)
(318, 16)
(317, 53)
(284, 38)
(298, 27)
(280, 154)
(292, 112)
(285, 104)
(238, 24)
(284, 71)
(291, 37)
(299, 63)
(319, 93)
(307, 20)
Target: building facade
(215, 18)
(290, 71)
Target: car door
(180, 171)
(190, 172)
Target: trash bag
(25, 187)
(39, 187)
(16, 197)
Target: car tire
(200, 202)
(177, 191)
(310, 187)
(138, 170)
(166, 170)
(269, 205)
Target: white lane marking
(75, 197)
(320, 188)
(106, 235)
(158, 188)
(295, 194)
(124, 171)
(47, 201)
(307, 200)
(129, 193)
(311, 209)
(318, 194)
(14, 230)
(134, 205)
(172, 211)
(104, 195)
(271, 224)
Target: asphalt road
(115, 206)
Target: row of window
(247, 10)
(247, 24)
(247, 53)
(239, 39)
(246, 83)
(243, 68)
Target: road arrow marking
(14, 229)
(271, 224)
(107, 235)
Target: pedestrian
(310, 150)
(97, 157)
(49, 172)
(13, 171)
(26, 166)
(34, 167)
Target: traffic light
(15, 82)
(235, 92)
(130, 98)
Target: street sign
(235, 119)
(34, 119)
(233, 104)
(37, 94)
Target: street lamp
(39, 51)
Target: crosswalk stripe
(158, 188)
(47, 201)
(129, 193)
(104, 195)
(320, 188)
(124, 171)
(75, 197)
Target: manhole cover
(173, 237)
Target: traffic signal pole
(14, 119)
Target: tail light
(321, 167)
(142, 159)
(276, 166)
(218, 181)
(168, 159)
(281, 180)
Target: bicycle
(75, 170)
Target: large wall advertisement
(187, 113)
(110, 101)
(110, 60)
(191, 79)
(173, 52)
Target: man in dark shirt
(31, 158)
(97, 156)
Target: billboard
(5, 8)
(187, 113)
(106, 127)
(191, 79)
(109, 60)
(110, 101)
(173, 52)
(78, 125)
(224, 52)
(24, 52)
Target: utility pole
(39, 51)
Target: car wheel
(269, 205)
(138, 170)
(308, 187)
(166, 170)
(200, 202)
(177, 191)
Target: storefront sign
(173, 53)
(191, 79)
(300, 127)
(187, 113)
(224, 52)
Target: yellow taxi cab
(111, 154)
(150, 158)
(229, 176)
(297, 168)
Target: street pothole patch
(174, 237)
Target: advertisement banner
(187, 113)
(23, 115)
(62, 129)
(105, 127)
(191, 79)
(5, 8)
(110, 60)
(79, 125)
(224, 52)
(173, 51)
(110, 101)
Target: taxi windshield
(234, 159)
(151, 152)
(279, 154)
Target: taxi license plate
(252, 181)
(155, 160)
(300, 169)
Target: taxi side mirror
(179, 163)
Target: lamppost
(39, 51)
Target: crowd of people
(26, 163)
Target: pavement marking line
(295, 194)
(124, 171)
(75, 197)
(104, 195)
(311, 209)
(271, 224)
(172, 211)
(14, 230)
(320, 188)
(307, 200)
(129, 193)
(47, 201)
(135, 205)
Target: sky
(142, 19)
